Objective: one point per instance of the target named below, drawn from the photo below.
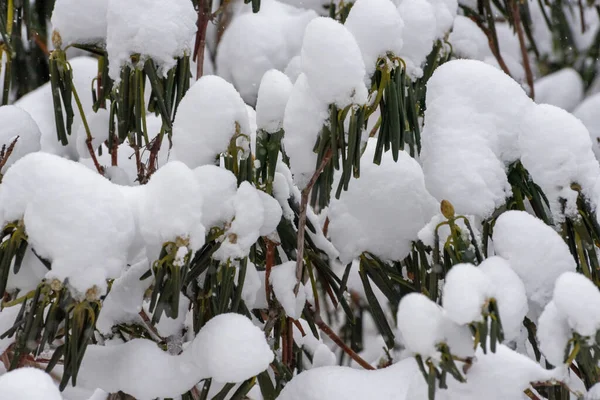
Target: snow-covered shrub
(384, 199)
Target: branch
(203, 17)
(302, 218)
(495, 49)
(528, 74)
(4, 155)
(329, 332)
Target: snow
(80, 22)
(18, 124)
(562, 89)
(218, 187)
(304, 117)
(473, 120)
(587, 113)
(361, 221)
(28, 384)
(276, 38)
(8, 317)
(206, 121)
(170, 207)
(332, 63)
(156, 30)
(466, 291)
(535, 252)
(509, 292)
(283, 280)
(555, 161)
(88, 244)
(419, 324)
(343, 383)
(418, 35)
(377, 28)
(245, 229)
(272, 214)
(229, 348)
(553, 334)
(576, 297)
(467, 40)
(273, 94)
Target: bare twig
(204, 17)
(528, 74)
(270, 261)
(302, 218)
(6, 154)
(495, 49)
(148, 325)
(336, 339)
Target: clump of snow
(332, 63)
(18, 125)
(419, 33)
(420, 323)
(303, 120)
(562, 89)
(367, 216)
(276, 37)
(229, 348)
(578, 299)
(206, 121)
(87, 244)
(82, 22)
(273, 94)
(342, 383)
(553, 333)
(170, 207)
(555, 161)
(473, 119)
(466, 291)
(377, 28)
(509, 292)
(467, 40)
(28, 384)
(248, 221)
(294, 68)
(535, 252)
(587, 113)
(160, 31)
(283, 279)
(218, 187)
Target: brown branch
(518, 25)
(4, 156)
(495, 49)
(92, 152)
(302, 218)
(153, 157)
(336, 339)
(270, 261)
(203, 17)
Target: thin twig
(336, 339)
(270, 261)
(203, 17)
(495, 50)
(148, 325)
(302, 218)
(528, 74)
(5, 155)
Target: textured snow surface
(273, 94)
(229, 348)
(82, 22)
(472, 124)
(28, 384)
(367, 216)
(157, 30)
(276, 37)
(536, 253)
(51, 194)
(206, 121)
(562, 89)
(332, 63)
(377, 28)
